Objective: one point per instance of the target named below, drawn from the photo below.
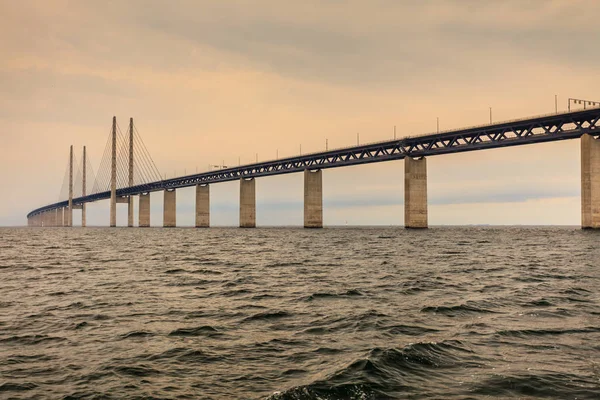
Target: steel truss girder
(555, 127)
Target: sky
(212, 82)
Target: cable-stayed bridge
(127, 170)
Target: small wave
(186, 355)
(327, 350)
(236, 292)
(285, 264)
(293, 372)
(326, 295)
(135, 370)
(319, 330)
(205, 330)
(197, 356)
(263, 296)
(539, 303)
(527, 279)
(31, 339)
(192, 282)
(136, 334)
(266, 316)
(16, 387)
(175, 271)
(74, 305)
(81, 325)
(578, 300)
(578, 291)
(384, 372)
(559, 386)
(411, 330)
(207, 271)
(545, 332)
(412, 290)
(452, 311)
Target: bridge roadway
(539, 129)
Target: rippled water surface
(339, 313)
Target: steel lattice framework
(554, 127)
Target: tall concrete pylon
(70, 209)
(83, 190)
(130, 202)
(113, 176)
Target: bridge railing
(377, 142)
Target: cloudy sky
(213, 81)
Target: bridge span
(580, 124)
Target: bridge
(118, 181)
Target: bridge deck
(540, 129)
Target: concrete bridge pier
(247, 203)
(415, 193)
(113, 209)
(130, 212)
(65, 217)
(144, 210)
(590, 182)
(59, 217)
(69, 216)
(202, 206)
(313, 199)
(170, 209)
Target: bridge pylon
(84, 189)
(70, 206)
(113, 176)
(130, 181)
